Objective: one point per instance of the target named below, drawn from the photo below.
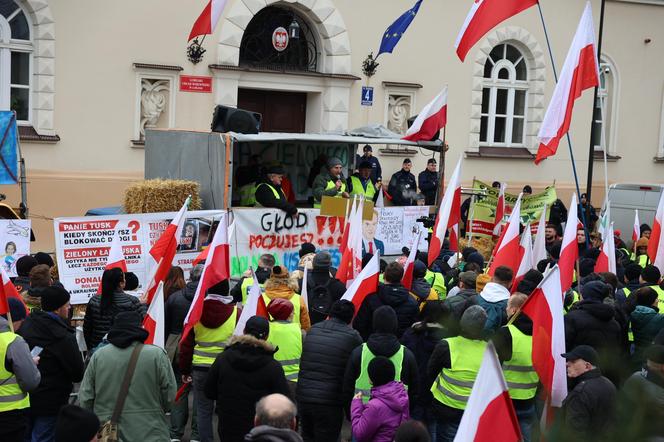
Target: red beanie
(280, 309)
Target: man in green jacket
(330, 182)
(152, 388)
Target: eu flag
(393, 34)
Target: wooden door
(281, 111)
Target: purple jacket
(379, 419)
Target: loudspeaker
(410, 122)
(230, 119)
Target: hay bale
(151, 196)
(483, 245)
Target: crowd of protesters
(400, 367)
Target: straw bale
(151, 196)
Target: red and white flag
(545, 307)
(207, 21)
(255, 306)
(155, 321)
(365, 284)
(304, 293)
(507, 249)
(350, 210)
(606, 261)
(409, 266)
(351, 259)
(116, 258)
(380, 201)
(485, 15)
(580, 72)
(489, 415)
(217, 269)
(449, 216)
(525, 256)
(539, 248)
(569, 251)
(163, 251)
(636, 231)
(430, 120)
(8, 290)
(500, 211)
(656, 242)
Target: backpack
(319, 296)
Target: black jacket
(421, 339)
(558, 213)
(321, 277)
(394, 295)
(383, 344)
(428, 182)
(640, 409)
(60, 363)
(176, 308)
(325, 354)
(97, 322)
(458, 304)
(262, 275)
(265, 197)
(402, 188)
(588, 412)
(239, 377)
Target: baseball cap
(585, 352)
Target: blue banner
(393, 34)
(8, 148)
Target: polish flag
(217, 269)
(500, 211)
(350, 211)
(8, 290)
(507, 250)
(485, 15)
(569, 251)
(255, 306)
(539, 248)
(545, 307)
(606, 261)
(365, 284)
(163, 251)
(155, 322)
(636, 232)
(351, 259)
(380, 202)
(656, 242)
(430, 120)
(304, 293)
(489, 415)
(409, 266)
(207, 21)
(580, 72)
(449, 215)
(525, 255)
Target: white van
(625, 198)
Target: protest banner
(15, 242)
(482, 213)
(82, 245)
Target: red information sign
(194, 83)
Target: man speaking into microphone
(330, 182)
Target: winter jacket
(641, 407)
(274, 292)
(394, 295)
(319, 187)
(240, 376)
(383, 344)
(402, 188)
(176, 308)
(60, 363)
(265, 197)
(18, 360)
(261, 273)
(493, 300)
(150, 396)
(265, 433)
(588, 411)
(321, 277)
(422, 292)
(32, 297)
(428, 182)
(622, 294)
(421, 339)
(646, 323)
(325, 354)
(378, 420)
(365, 185)
(215, 313)
(97, 322)
(458, 304)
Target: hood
(42, 329)
(466, 293)
(421, 288)
(383, 344)
(603, 312)
(642, 315)
(247, 353)
(215, 313)
(190, 290)
(392, 394)
(393, 294)
(494, 292)
(265, 433)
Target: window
(603, 109)
(504, 98)
(15, 61)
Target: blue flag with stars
(393, 34)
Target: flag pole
(569, 140)
(441, 171)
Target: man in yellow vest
(330, 182)
(240, 291)
(201, 347)
(270, 194)
(361, 183)
(651, 277)
(514, 345)
(246, 178)
(452, 370)
(286, 336)
(18, 376)
(641, 252)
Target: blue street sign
(367, 96)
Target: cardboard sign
(194, 83)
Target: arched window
(278, 38)
(504, 98)
(15, 60)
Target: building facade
(87, 81)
